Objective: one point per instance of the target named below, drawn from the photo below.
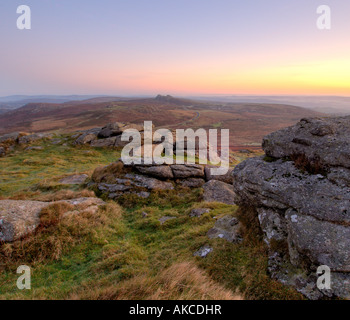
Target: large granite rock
(19, 218)
(10, 138)
(301, 195)
(86, 137)
(161, 172)
(325, 141)
(103, 143)
(182, 171)
(218, 191)
(117, 128)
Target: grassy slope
(118, 254)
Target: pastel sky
(124, 47)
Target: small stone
(199, 212)
(226, 228)
(203, 252)
(143, 194)
(164, 219)
(34, 148)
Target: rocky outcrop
(9, 141)
(108, 136)
(30, 138)
(117, 128)
(117, 179)
(86, 137)
(19, 218)
(300, 192)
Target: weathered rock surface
(8, 141)
(302, 199)
(86, 138)
(34, 137)
(199, 212)
(106, 137)
(117, 128)
(19, 218)
(192, 182)
(218, 191)
(323, 140)
(227, 178)
(227, 228)
(149, 183)
(160, 172)
(104, 143)
(203, 252)
(10, 138)
(183, 171)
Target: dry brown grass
(57, 233)
(182, 281)
(53, 196)
(312, 166)
(109, 173)
(250, 226)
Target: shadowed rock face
(308, 211)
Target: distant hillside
(248, 122)
(335, 105)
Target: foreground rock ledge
(302, 204)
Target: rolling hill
(248, 122)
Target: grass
(118, 253)
(41, 169)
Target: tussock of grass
(182, 281)
(55, 235)
(108, 173)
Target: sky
(179, 47)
